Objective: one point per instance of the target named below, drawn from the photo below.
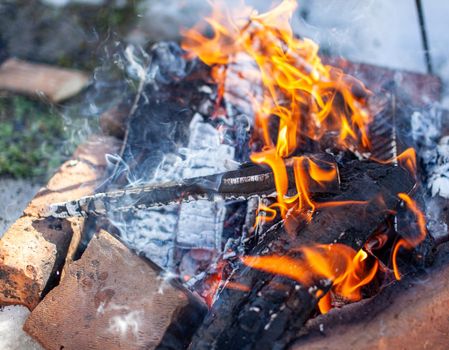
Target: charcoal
(232, 320)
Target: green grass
(31, 138)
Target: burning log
(32, 79)
(416, 316)
(239, 184)
(270, 310)
(113, 299)
(34, 249)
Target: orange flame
(307, 100)
(341, 265)
(409, 242)
(407, 160)
(299, 89)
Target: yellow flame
(338, 263)
(299, 90)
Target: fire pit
(262, 198)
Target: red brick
(111, 299)
(34, 248)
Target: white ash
(205, 154)
(426, 127)
(243, 84)
(254, 308)
(152, 233)
(321, 328)
(198, 224)
(433, 149)
(439, 174)
(434, 212)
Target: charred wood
(238, 184)
(273, 311)
(408, 315)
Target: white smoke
(128, 323)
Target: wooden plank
(56, 84)
(113, 299)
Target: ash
(156, 233)
(439, 176)
(433, 149)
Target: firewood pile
(249, 196)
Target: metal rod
(425, 42)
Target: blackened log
(273, 311)
(237, 184)
(361, 181)
(408, 315)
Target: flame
(272, 159)
(409, 242)
(341, 265)
(298, 88)
(308, 98)
(237, 286)
(407, 160)
(268, 216)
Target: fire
(407, 160)
(341, 265)
(306, 100)
(409, 242)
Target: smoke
(128, 323)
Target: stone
(113, 299)
(34, 249)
